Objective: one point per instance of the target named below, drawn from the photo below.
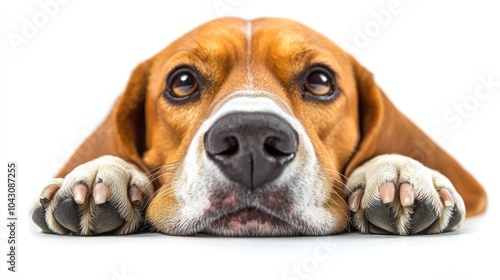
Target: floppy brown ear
(122, 133)
(385, 130)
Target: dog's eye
(182, 85)
(319, 84)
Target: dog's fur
(150, 151)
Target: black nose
(251, 148)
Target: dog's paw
(394, 194)
(105, 195)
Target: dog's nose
(251, 148)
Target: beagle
(256, 128)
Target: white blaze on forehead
(249, 53)
(252, 101)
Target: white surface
(59, 85)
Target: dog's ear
(122, 133)
(385, 130)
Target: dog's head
(254, 122)
(250, 127)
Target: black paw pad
(373, 229)
(382, 218)
(66, 214)
(39, 219)
(456, 217)
(423, 216)
(106, 219)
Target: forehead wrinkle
(209, 58)
(219, 42)
(290, 43)
(302, 52)
(287, 51)
(296, 53)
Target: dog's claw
(79, 193)
(355, 199)
(135, 196)
(101, 193)
(406, 194)
(446, 198)
(387, 192)
(48, 193)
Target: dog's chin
(250, 222)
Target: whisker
(159, 175)
(338, 205)
(154, 170)
(337, 172)
(164, 209)
(168, 168)
(166, 190)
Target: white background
(56, 86)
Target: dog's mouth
(247, 216)
(249, 221)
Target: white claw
(101, 193)
(406, 194)
(49, 192)
(387, 192)
(135, 196)
(355, 199)
(79, 193)
(446, 197)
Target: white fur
(248, 32)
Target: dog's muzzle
(251, 148)
(251, 170)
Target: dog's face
(254, 123)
